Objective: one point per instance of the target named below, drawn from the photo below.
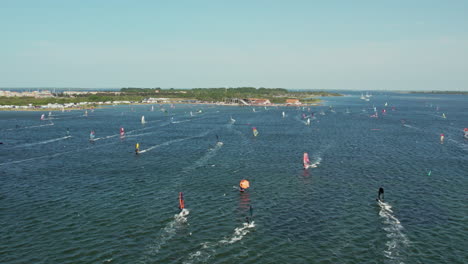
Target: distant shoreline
(18, 109)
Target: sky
(358, 45)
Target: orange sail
(244, 184)
(181, 201)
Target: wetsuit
(381, 193)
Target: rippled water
(66, 200)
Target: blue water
(69, 200)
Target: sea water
(71, 200)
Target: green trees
(275, 95)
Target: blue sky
(361, 45)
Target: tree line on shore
(275, 95)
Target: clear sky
(361, 45)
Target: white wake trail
(209, 249)
(397, 239)
(42, 142)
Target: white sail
(143, 119)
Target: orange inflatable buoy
(244, 184)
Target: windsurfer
(181, 201)
(380, 194)
(137, 148)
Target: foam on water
(55, 155)
(204, 159)
(167, 233)
(42, 142)
(208, 249)
(173, 141)
(28, 127)
(397, 239)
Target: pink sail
(306, 160)
(122, 132)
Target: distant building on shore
(35, 94)
(293, 102)
(257, 101)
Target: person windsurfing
(181, 201)
(380, 194)
(91, 136)
(137, 148)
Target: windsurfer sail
(86, 113)
(92, 135)
(137, 148)
(284, 115)
(232, 120)
(42, 117)
(442, 137)
(443, 116)
(306, 162)
(308, 122)
(255, 131)
(122, 132)
(181, 201)
(243, 185)
(465, 131)
(143, 119)
(152, 108)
